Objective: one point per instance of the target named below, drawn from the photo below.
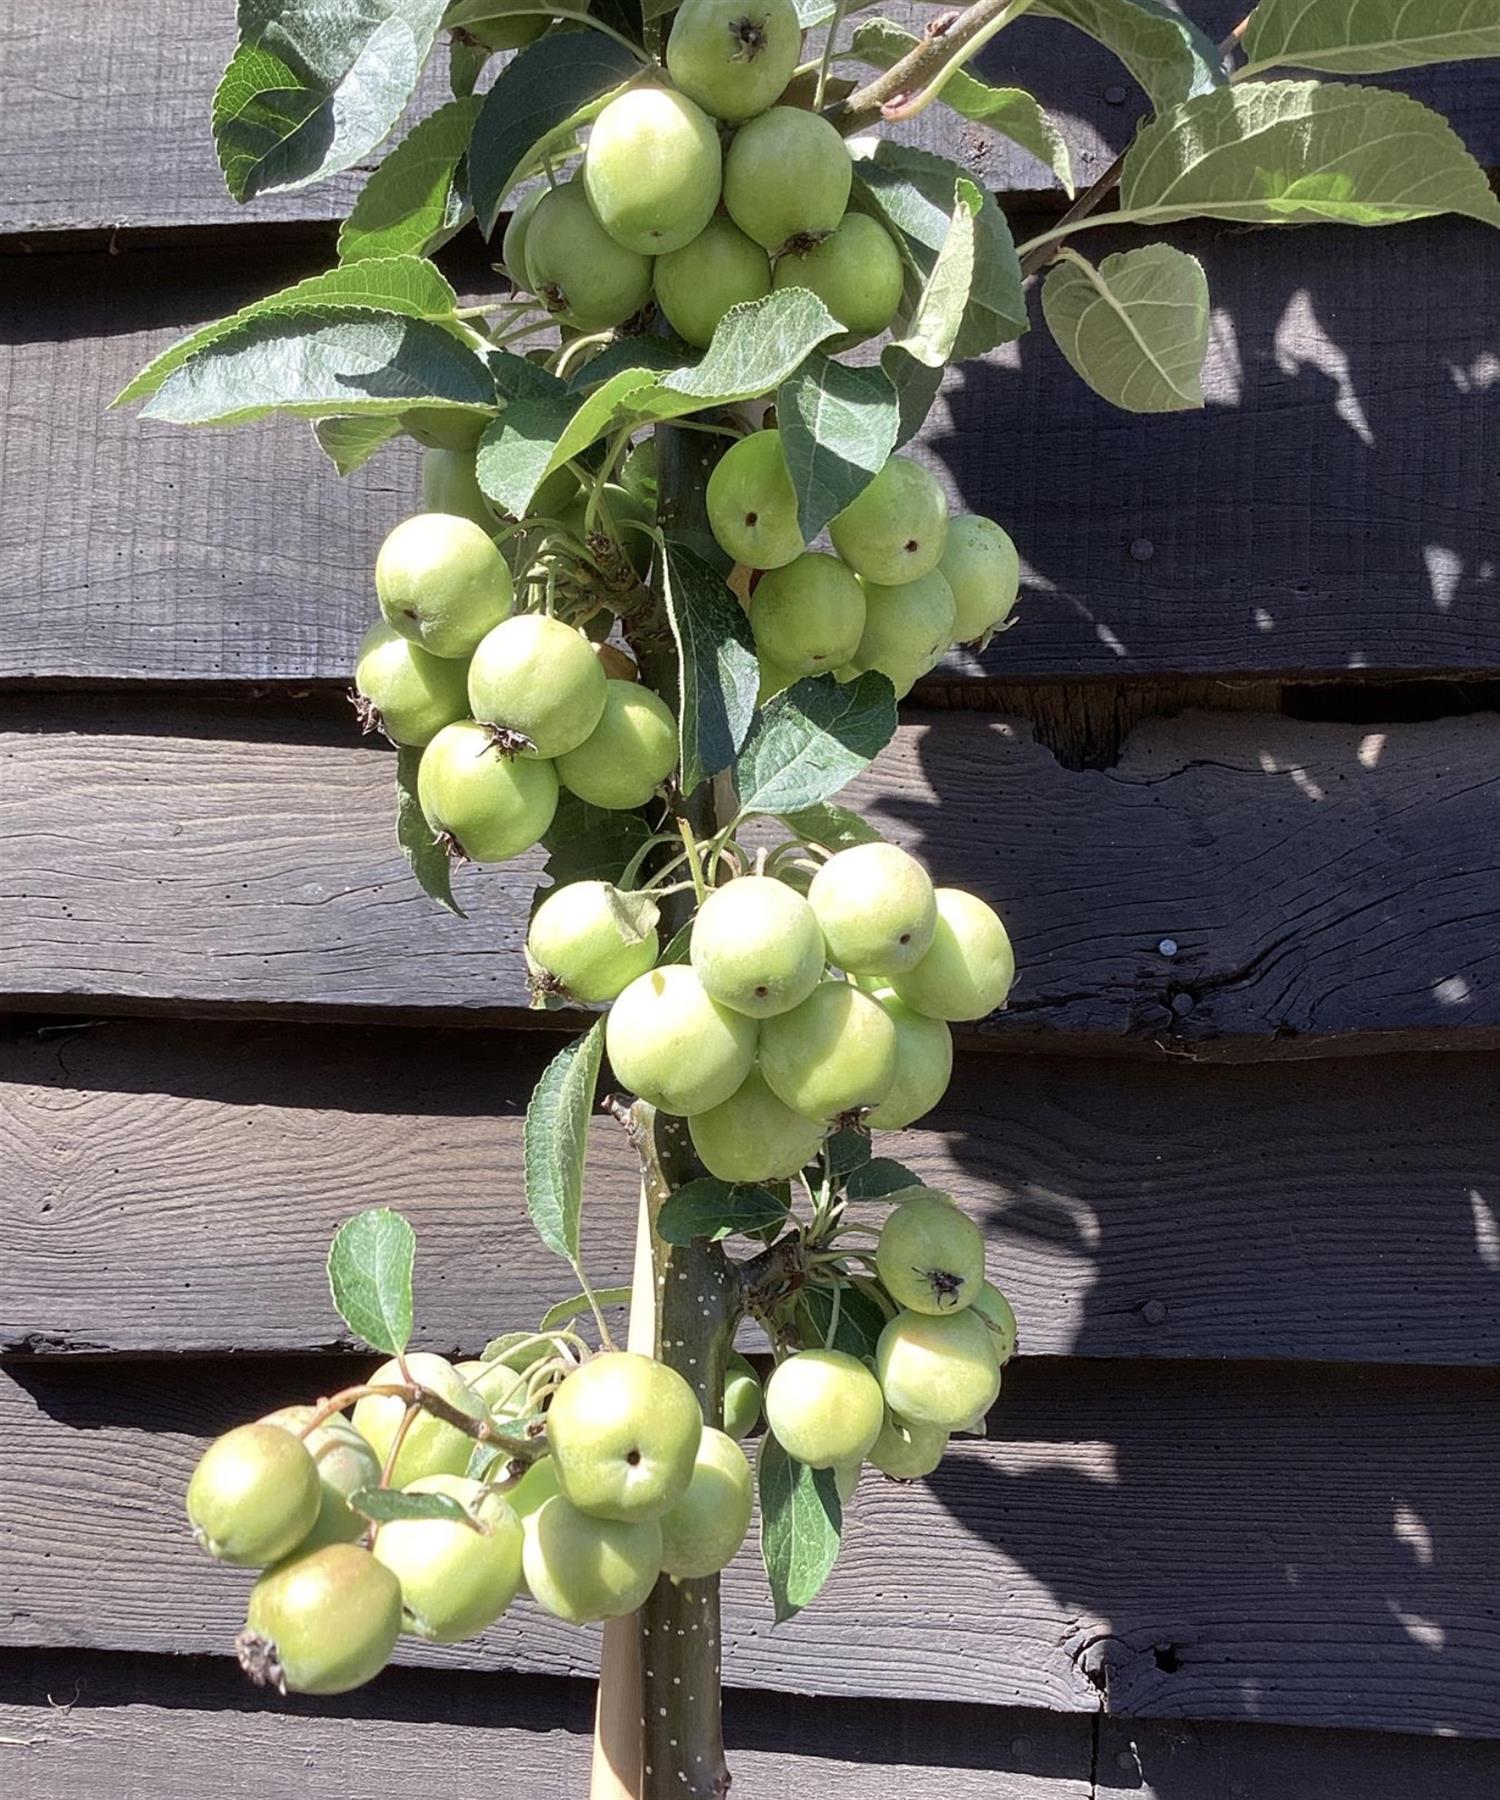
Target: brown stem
(423, 1399)
(908, 76)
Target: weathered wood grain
(1319, 886)
(1172, 1541)
(172, 1191)
(149, 1728)
(1332, 512)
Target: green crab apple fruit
(896, 528)
(581, 945)
(652, 170)
(832, 1055)
(999, 1315)
(734, 57)
(697, 285)
(624, 1431)
(876, 908)
(507, 27)
(756, 946)
(808, 616)
(674, 1045)
(445, 427)
(980, 564)
(741, 1396)
(969, 966)
(456, 1578)
(824, 1408)
(610, 534)
(786, 177)
(577, 269)
(855, 271)
(752, 505)
(906, 1451)
(513, 244)
(535, 1488)
(628, 754)
(700, 1534)
(938, 1369)
(930, 1256)
(907, 629)
(483, 804)
(450, 485)
(322, 1623)
(407, 693)
(442, 583)
(538, 678)
(498, 1385)
(924, 1065)
(254, 1495)
(582, 1569)
(752, 1136)
(431, 1446)
(345, 1464)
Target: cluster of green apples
(507, 706)
(902, 585)
(629, 1484)
(703, 193)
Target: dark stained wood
(171, 1191)
(1179, 1541)
(1323, 886)
(119, 1728)
(1332, 511)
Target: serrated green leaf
(350, 443)
(516, 452)
(916, 387)
(813, 738)
(579, 1304)
(915, 194)
(1166, 53)
(1135, 328)
(800, 1525)
(934, 323)
(860, 1321)
(397, 284)
(412, 202)
(879, 1178)
(556, 1140)
(427, 858)
(498, 1348)
(545, 88)
(386, 1504)
(846, 1150)
(835, 827)
(312, 88)
(330, 360)
(643, 353)
(838, 428)
(1302, 153)
(589, 843)
(717, 672)
(1011, 112)
(369, 1276)
(1367, 37)
(713, 1209)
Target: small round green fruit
(345, 1464)
(980, 564)
(907, 629)
(876, 908)
(610, 535)
(577, 269)
(752, 505)
(896, 529)
(734, 57)
(431, 1446)
(938, 1369)
(624, 1431)
(513, 244)
(322, 1623)
(969, 966)
(906, 1451)
(835, 1054)
(652, 170)
(824, 1408)
(450, 485)
(930, 1256)
(581, 945)
(753, 1137)
(407, 693)
(742, 1396)
(924, 1065)
(787, 176)
(456, 1577)
(582, 1569)
(702, 1531)
(999, 1315)
(538, 677)
(484, 804)
(809, 615)
(442, 583)
(856, 272)
(674, 1045)
(629, 753)
(697, 285)
(254, 1495)
(756, 946)
(498, 1385)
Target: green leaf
(879, 1178)
(835, 827)
(813, 738)
(846, 1150)
(579, 1304)
(589, 843)
(800, 1523)
(412, 203)
(516, 453)
(1302, 153)
(717, 672)
(1011, 112)
(1166, 53)
(385, 1504)
(499, 1348)
(369, 1275)
(397, 284)
(556, 1140)
(544, 89)
(313, 87)
(1135, 328)
(1370, 37)
(350, 443)
(916, 387)
(860, 1320)
(838, 427)
(643, 353)
(916, 194)
(677, 950)
(937, 317)
(429, 861)
(323, 361)
(713, 1209)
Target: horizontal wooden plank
(1167, 1541)
(1314, 886)
(174, 1191)
(75, 1724)
(1331, 512)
